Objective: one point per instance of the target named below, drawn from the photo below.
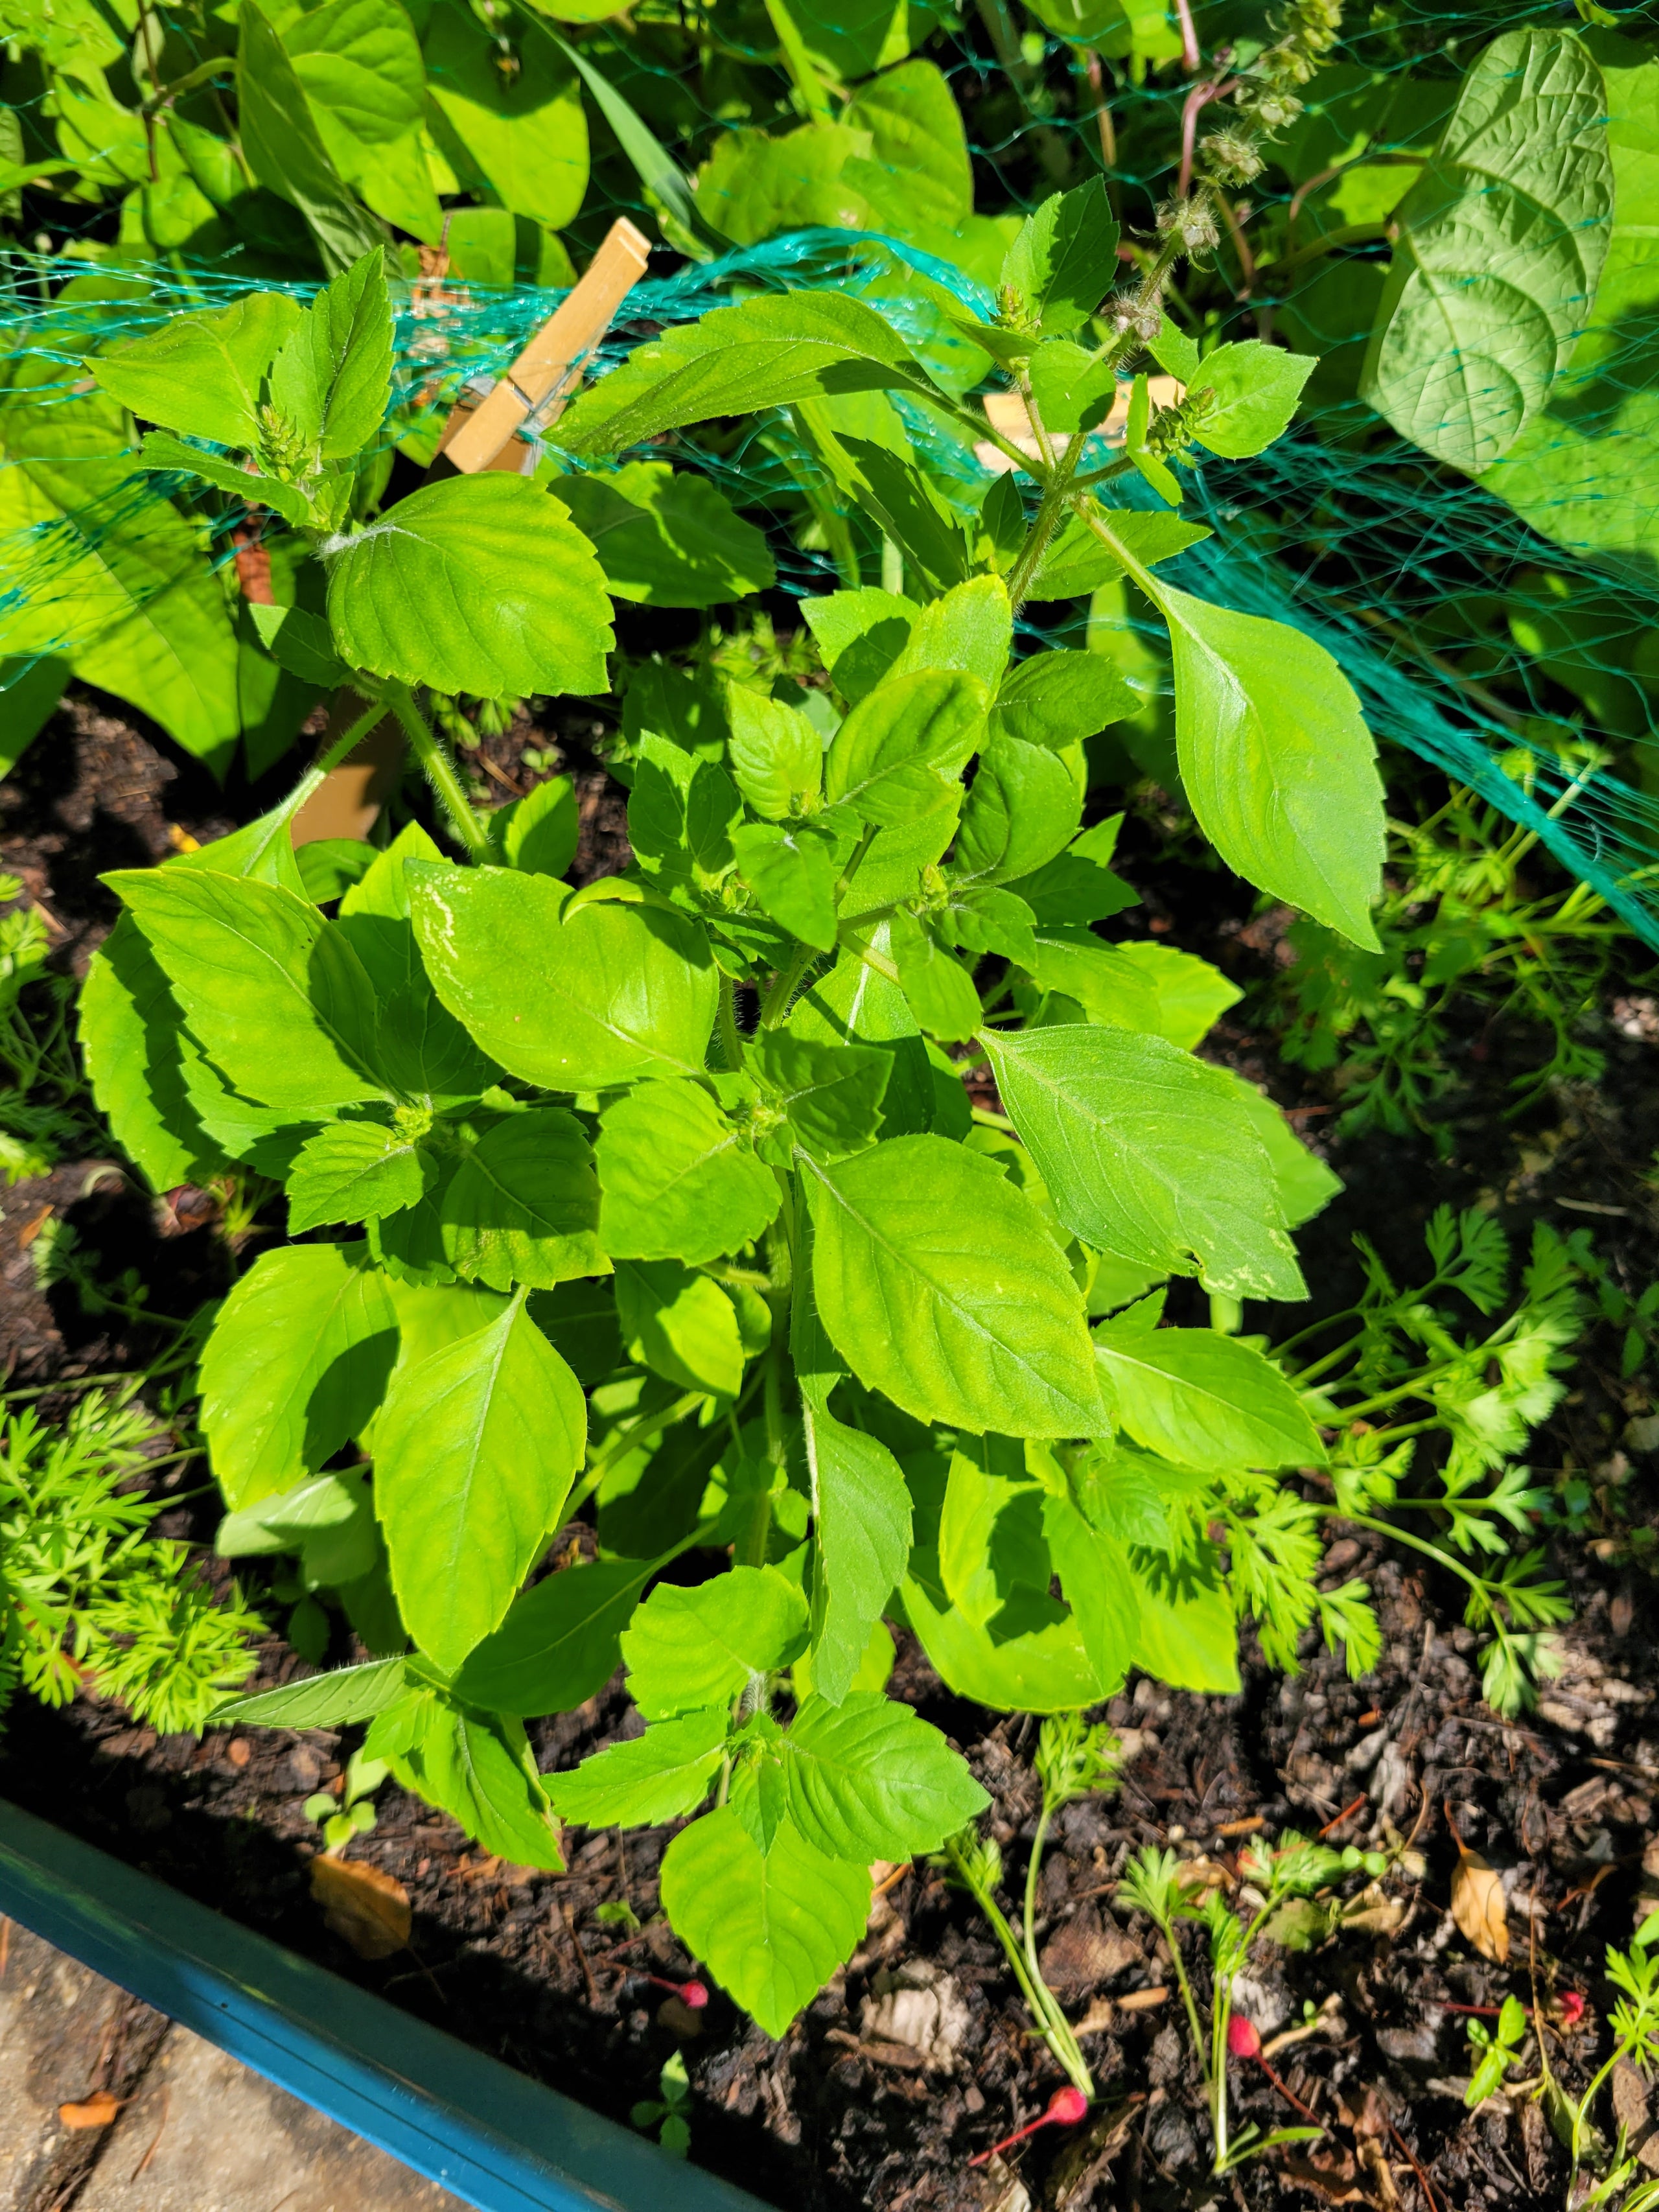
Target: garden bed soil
(918, 2056)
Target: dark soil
(848, 2112)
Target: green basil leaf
(539, 832)
(660, 1776)
(937, 989)
(480, 583)
(853, 1004)
(1073, 389)
(523, 1206)
(1022, 810)
(1078, 561)
(900, 750)
(560, 1641)
(1206, 1400)
(354, 1172)
(1252, 392)
(1099, 1586)
(475, 1453)
(296, 1365)
(331, 382)
(771, 1927)
(576, 1005)
(792, 872)
(986, 920)
(869, 1779)
(776, 755)
(688, 1648)
(969, 629)
(862, 1513)
(333, 1700)
(203, 373)
(1032, 1661)
(1147, 1154)
(478, 1767)
(1306, 1185)
(894, 491)
(767, 352)
(681, 1326)
(1064, 260)
(1191, 996)
(1059, 698)
(1188, 1634)
(679, 1181)
(831, 1093)
(1499, 249)
(303, 644)
(859, 634)
(939, 1286)
(1113, 990)
(157, 451)
(665, 537)
(128, 1025)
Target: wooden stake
(481, 435)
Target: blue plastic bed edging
(492, 2136)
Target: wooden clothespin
(496, 432)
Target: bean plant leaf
(1147, 1154)
(861, 1509)
(475, 1453)
(679, 1179)
(770, 1927)
(767, 352)
(295, 1366)
(280, 140)
(257, 971)
(616, 990)
(480, 583)
(523, 1206)
(687, 1648)
(868, 1779)
(1206, 1400)
(525, 129)
(939, 1286)
(1500, 245)
(657, 1776)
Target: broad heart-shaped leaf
(679, 1179)
(869, 1779)
(767, 352)
(791, 872)
(559, 1642)
(771, 1928)
(295, 1366)
(900, 750)
(360, 67)
(685, 1649)
(1064, 260)
(353, 1171)
(660, 1776)
(1253, 391)
(332, 378)
(1276, 760)
(1099, 1586)
(862, 1511)
(481, 583)
(831, 1093)
(128, 1026)
(478, 1767)
(1058, 698)
(680, 1325)
(1500, 245)
(618, 990)
(1206, 1400)
(1147, 1154)
(524, 1204)
(777, 756)
(667, 537)
(475, 1452)
(203, 373)
(276, 997)
(940, 1287)
(336, 1700)
(526, 131)
(280, 139)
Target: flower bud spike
(1066, 2108)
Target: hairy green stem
(440, 771)
(730, 1040)
(783, 986)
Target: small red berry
(1242, 2040)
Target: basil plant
(797, 1202)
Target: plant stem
(783, 986)
(440, 772)
(730, 1040)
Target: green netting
(1510, 640)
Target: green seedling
(669, 2112)
(342, 1819)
